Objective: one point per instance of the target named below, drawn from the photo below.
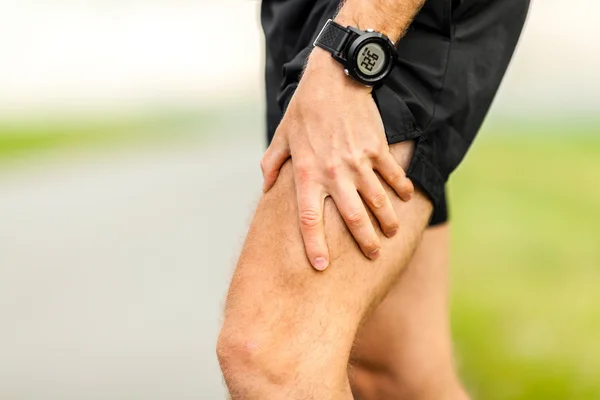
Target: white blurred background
(95, 55)
(70, 55)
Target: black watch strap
(333, 37)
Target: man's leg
(404, 348)
(288, 329)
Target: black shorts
(450, 64)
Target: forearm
(390, 17)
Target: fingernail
(320, 263)
(392, 233)
(374, 254)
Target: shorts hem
(427, 177)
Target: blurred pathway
(113, 270)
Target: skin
(404, 348)
(292, 332)
(336, 197)
(338, 142)
(289, 330)
(336, 147)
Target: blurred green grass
(526, 265)
(19, 137)
(525, 209)
(25, 137)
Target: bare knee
(289, 329)
(249, 371)
(277, 344)
(277, 330)
(266, 354)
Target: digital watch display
(371, 59)
(367, 56)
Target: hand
(333, 132)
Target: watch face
(371, 59)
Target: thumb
(277, 153)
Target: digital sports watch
(367, 56)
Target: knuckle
(371, 245)
(309, 217)
(354, 218)
(392, 225)
(396, 177)
(373, 152)
(270, 175)
(303, 172)
(405, 186)
(332, 169)
(378, 200)
(353, 162)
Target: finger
(373, 193)
(311, 199)
(357, 220)
(277, 153)
(395, 176)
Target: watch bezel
(352, 57)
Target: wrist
(321, 67)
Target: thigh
(279, 305)
(404, 350)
